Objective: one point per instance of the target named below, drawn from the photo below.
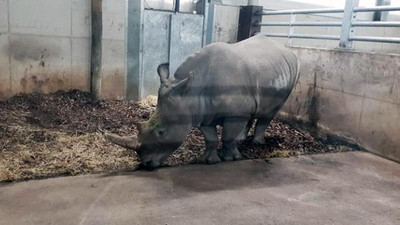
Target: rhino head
(166, 129)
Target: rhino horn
(130, 142)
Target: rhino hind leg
(210, 156)
(245, 132)
(233, 128)
(261, 127)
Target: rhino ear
(163, 72)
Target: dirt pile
(73, 112)
(44, 135)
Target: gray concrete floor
(344, 188)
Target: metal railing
(349, 22)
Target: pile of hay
(29, 152)
(47, 135)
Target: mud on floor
(46, 135)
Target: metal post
(134, 49)
(205, 12)
(249, 19)
(347, 30)
(96, 49)
(210, 24)
(379, 15)
(174, 42)
(291, 28)
(177, 5)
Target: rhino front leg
(210, 156)
(233, 128)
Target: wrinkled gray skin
(226, 84)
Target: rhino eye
(160, 132)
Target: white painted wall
(45, 46)
(113, 67)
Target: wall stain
(313, 103)
(25, 49)
(42, 63)
(42, 83)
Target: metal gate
(156, 36)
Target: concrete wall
(226, 23)
(45, 46)
(113, 82)
(354, 94)
(36, 50)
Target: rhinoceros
(222, 84)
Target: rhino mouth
(149, 165)
(149, 155)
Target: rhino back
(247, 79)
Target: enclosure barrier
(349, 22)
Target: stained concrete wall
(45, 46)
(226, 23)
(351, 93)
(113, 82)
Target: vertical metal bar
(210, 24)
(134, 49)
(174, 41)
(205, 22)
(378, 14)
(347, 30)
(177, 5)
(291, 28)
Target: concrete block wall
(350, 93)
(113, 83)
(45, 46)
(42, 48)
